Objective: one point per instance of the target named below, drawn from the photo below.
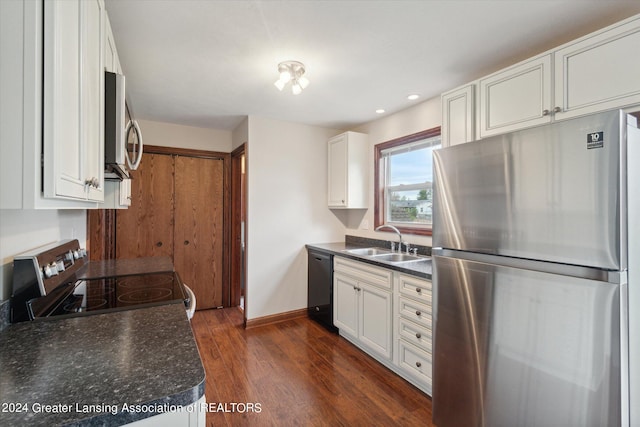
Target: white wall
(240, 134)
(287, 187)
(423, 116)
(22, 230)
(172, 135)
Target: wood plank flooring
(297, 374)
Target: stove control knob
(76, 254)
(51, 270)
(83, 252)
(47, 271)
(60, 266)
(68, 256)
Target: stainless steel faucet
(391, 227)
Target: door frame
(101, 223)
(238, 262)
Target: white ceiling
(211, 63)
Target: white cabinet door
(599, 72)
(515, 98)
(458, 116)
(338, 171)
(111, 59)
(348, 171)
(345, 304)
(375, 319)
(73, 100)
(92, 83)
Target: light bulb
(280, 84)
(296, 88)
(303, 82)
(285, 76)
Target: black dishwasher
(320, 288)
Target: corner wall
(287, 208)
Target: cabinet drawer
(370, 274)
(415, 288)
(415, 311)
(416, 334)
(415, 362)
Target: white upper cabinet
(458, 116)
(515, 98)
(594, 73)
(111, 58)
(348, 171)
(73, 128)
(117, 193)
(599, 72)
(52, 104)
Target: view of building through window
(409, 183)
(408, 179)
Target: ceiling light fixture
(292, 71)
(413, 97)
(380, 111)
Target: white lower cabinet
(415, 331)
(188, 416)
(363, 306)
(387, 314)
(345, 304)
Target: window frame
(379, 188)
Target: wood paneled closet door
(177, 210)
(199, 220)
(146, 228)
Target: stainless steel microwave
(122, 136)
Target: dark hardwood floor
(297, 374)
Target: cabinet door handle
(545, 112)
(186, 242)
(418, 290)
(418, 313)
(418, 364)
(557, 109)
(159, 244)
(418, 335)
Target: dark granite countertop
(124, 267)
(146, 356)
(419, 269)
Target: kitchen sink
(385, 255)
(369, 251)
(396, 257)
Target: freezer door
(551, 193)
(515, 347)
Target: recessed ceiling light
(413, 97)
(379, 111)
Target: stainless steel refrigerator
(536, 274)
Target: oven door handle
(191, 298)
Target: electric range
(51, 282)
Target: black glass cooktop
(93, 296)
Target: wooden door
(146, 228)
(198, 248)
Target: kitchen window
(403, 182)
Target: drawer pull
(418, 364)
(418, 335)
(418, 290)
(418, 313)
